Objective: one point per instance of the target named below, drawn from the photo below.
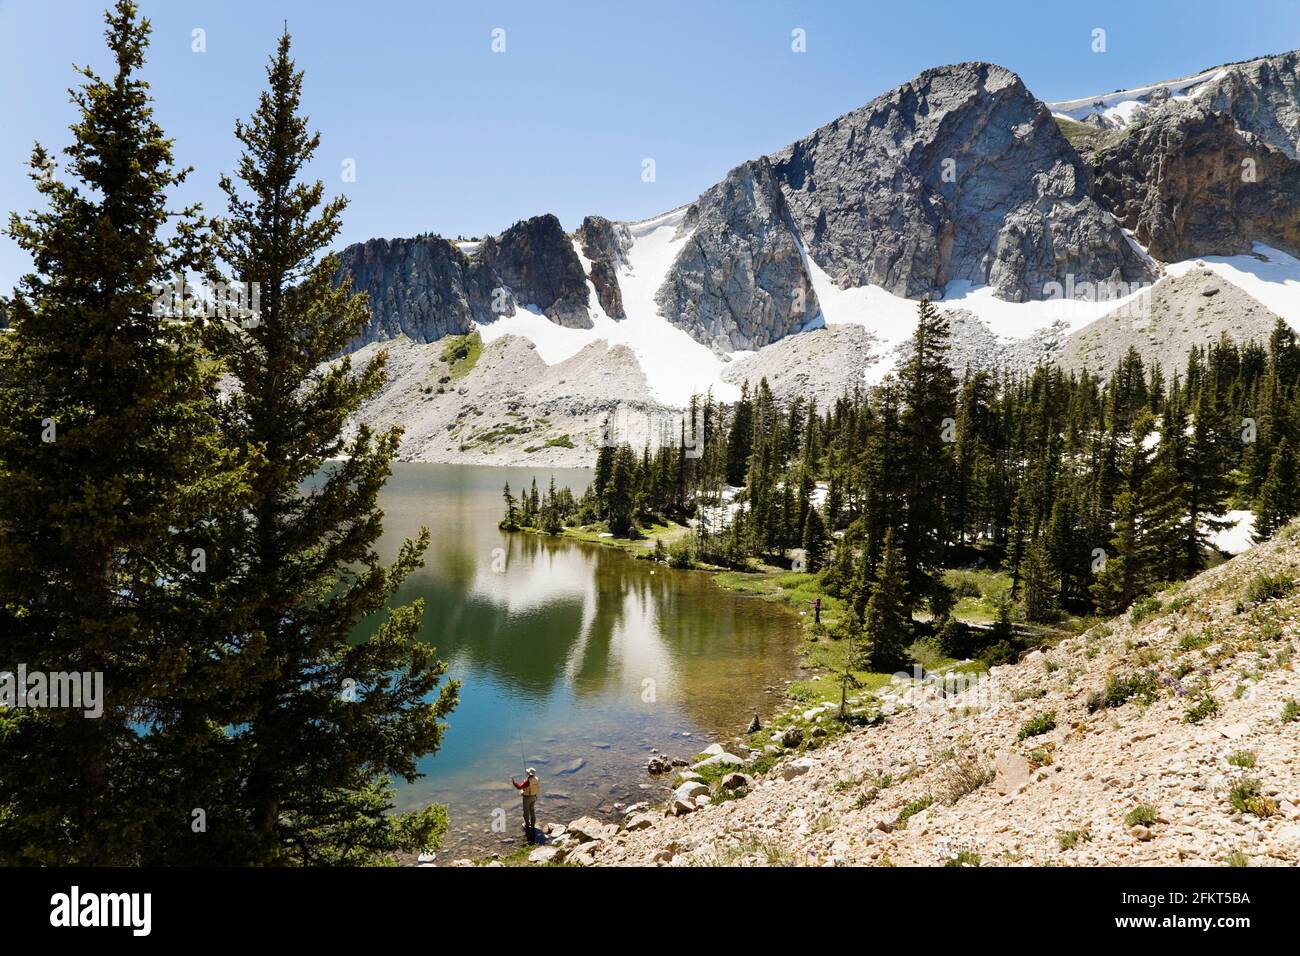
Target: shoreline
(808, 710)
(779, 710)
(784, 746)
(1039, 762)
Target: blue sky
(449, 137)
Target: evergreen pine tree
(834, 501)
(1279, 498)
(925, 453)
(1131, 559)
(604, 468)
(838, 578)
(886, 625)
(1207, 480)
(1040, 585)
(111, 471)
(1018, 537)
(510, 522)
(813, 540)
(740, 441)
(620, 492)
(322, 722)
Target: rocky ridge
(1189, 182)
(1261, 96)
(422, 288)
(959, 175)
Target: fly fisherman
(530, 789)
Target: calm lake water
(574, 658)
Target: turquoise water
(574, 658)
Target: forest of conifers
(1089, 492)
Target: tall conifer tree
(1279, 498)
(323, 721)
(927, 427)
(111, 469)
(887, 626)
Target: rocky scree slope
(1167, 736)
(511, 408)
(824, 364)
(1175, 315)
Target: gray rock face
(605, 243)
(1262, 97)
(959, 174)
(423, 288)
(1188, 183)
(739, 282)
(536, 259)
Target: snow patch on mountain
(1119, 109)
(892, 319)
(676, 366)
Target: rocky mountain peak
(536, 260)
(959, 174)
(739, 282)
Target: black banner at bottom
(410, 904)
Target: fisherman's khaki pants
(530, 812)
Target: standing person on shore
(817, 611)
(531, 788)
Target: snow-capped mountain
(1025, 221)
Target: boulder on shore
(737, 781)
(546, 854)
(796, 768)
(730, 760)
(588, 829)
